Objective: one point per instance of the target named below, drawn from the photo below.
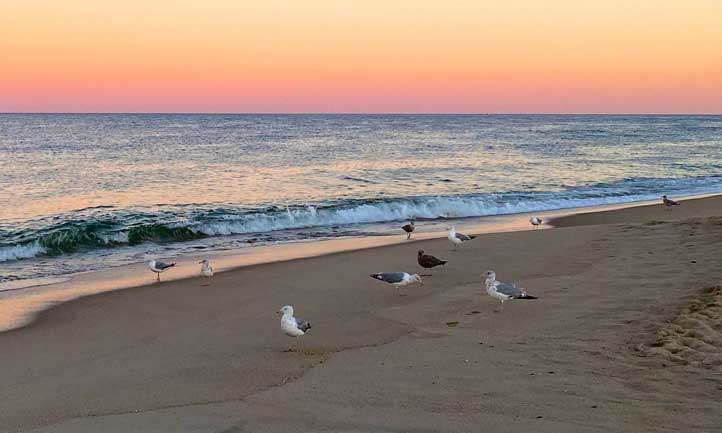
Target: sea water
(82, 192)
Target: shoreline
(184, 357)
(23, 304)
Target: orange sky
(507, 56)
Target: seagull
(398, 279)
(206, 269)
(667, 202)
(159, 267)
(408, 228)
(457, 238)
(503, 291)
(290, 325)
(535, 221)
(428, 261)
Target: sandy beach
(626, 337)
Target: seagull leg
(408, 236)
(158, 277)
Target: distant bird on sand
(206, 269)
(159, 267)
(290, 325)
(428, 261)
(457, 238)
(535, 221)
(667, 202)
(398, 279)
(503, 291)
(408, 228)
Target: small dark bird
(408, 228)
(667, 202)
(428, 261)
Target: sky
(366, 56)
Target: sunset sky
(510, 56)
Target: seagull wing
(511, 290)
(389, 277)
(302, 325)
(463, 237)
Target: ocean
(82, 192)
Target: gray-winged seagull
(503, 291)
(535, 221)
(457, 238)
(398, 279)
(159, 267)
(290, 325)
(206, 268)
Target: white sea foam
(396, 210)
(22, 251)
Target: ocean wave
(102, 228)
(21, 251)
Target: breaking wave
(107, 227)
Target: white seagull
(159, 267)
(290, 325)
(398, 279)
(206, 269)
(535, 221)
(504, 291)
(457, 238)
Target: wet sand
(622, 339)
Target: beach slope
(614, 342)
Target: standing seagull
(159, 267)
(457, 238)
(428, 261)
(408, 228)
(667, 202)
(535, 221)
(290, 325)
(398, 279)
(206, 269)
(504, 291)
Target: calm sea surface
(84, 192)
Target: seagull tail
(472, 237)
(443, 262)
(526, 296)
(376, 276)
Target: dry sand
(625, 338)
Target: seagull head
(416, 278)
(490, 275)
(286, 309)
(421, 252)
(451, 228)
(203, 262)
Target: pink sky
(328, 56)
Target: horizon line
(310, 113)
